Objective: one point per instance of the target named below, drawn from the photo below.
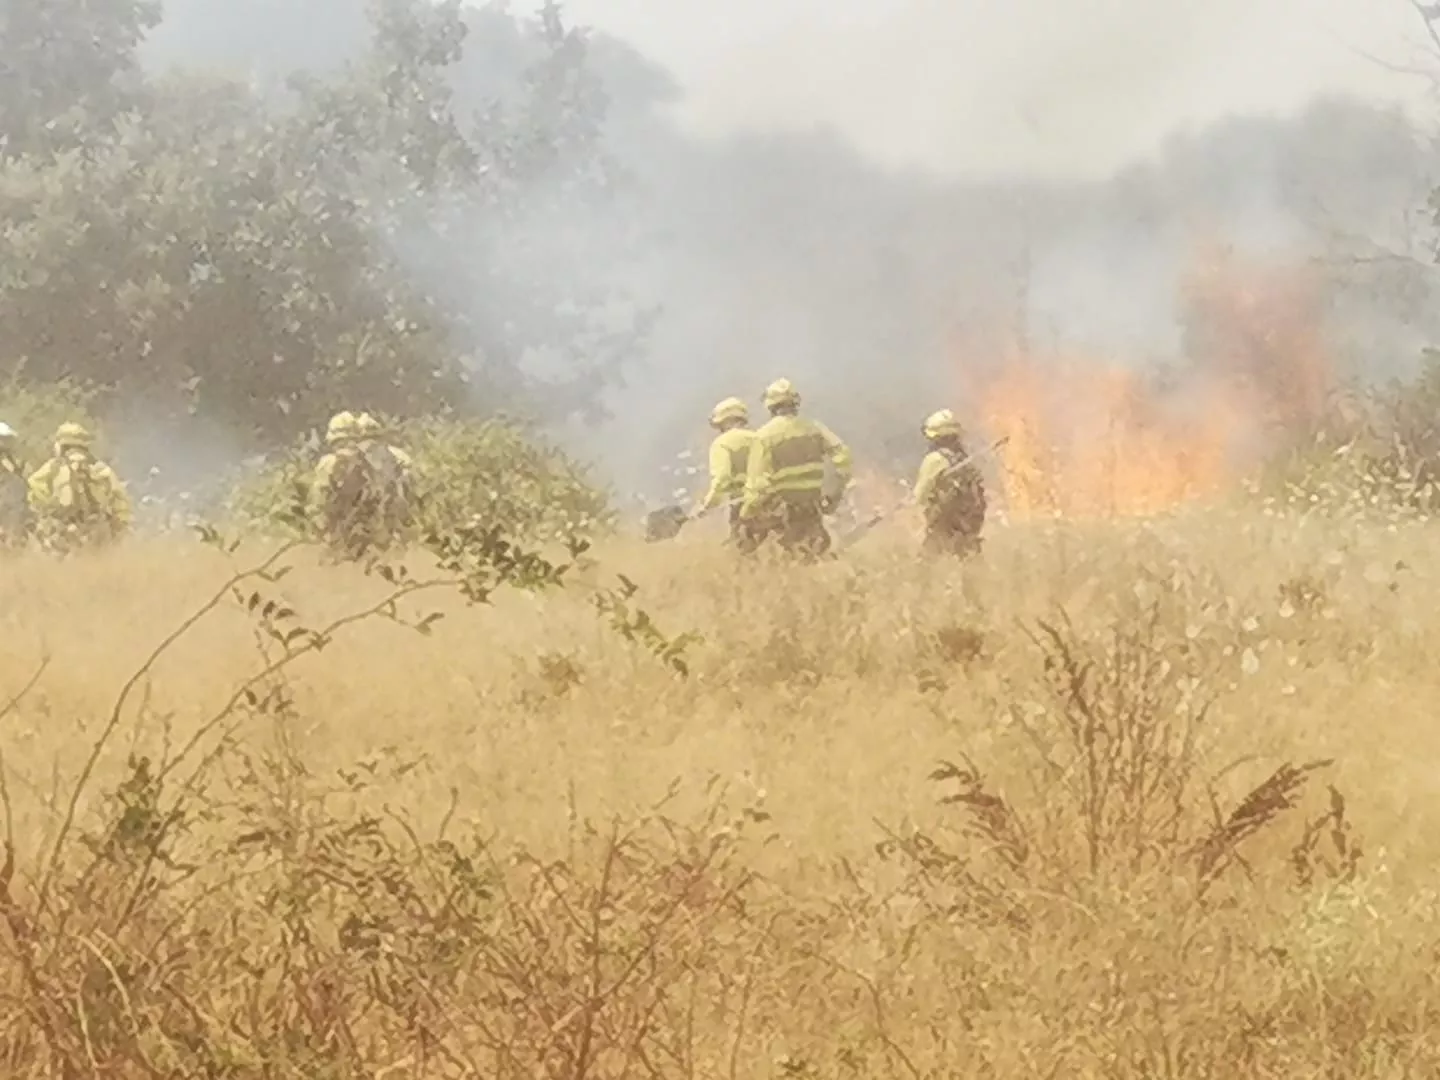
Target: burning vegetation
(1092, 436)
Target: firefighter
(949, 490)
(371, 433)
(340, 490)
(393, 472)
(729, 459)
(785, 494)
(15, 517)
(77, 500)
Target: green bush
(495, 470)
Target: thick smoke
(1005, 87)
(1054, 173)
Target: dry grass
(1122, 801)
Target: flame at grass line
(1089, 440)
(1089, 437)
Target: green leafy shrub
(494, 471)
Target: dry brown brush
(623, 852)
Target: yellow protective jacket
(932, 468)
(16, 512)
(320, 482)
(949, 486)
(729, 460)
(787, 463)
(53, 496)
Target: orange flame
(1088, 437)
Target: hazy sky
(1033, 85)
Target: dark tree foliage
(219, 249)
(68, 68)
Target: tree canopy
(249, 253)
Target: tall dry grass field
(1124, 800)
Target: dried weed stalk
(1118, 737)
(1118, 771)
(364, 950)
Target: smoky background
(878, 201)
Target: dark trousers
(798, 527)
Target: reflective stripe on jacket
(787, 462)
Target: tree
(526, 260)
(224, 251)
(69, 68)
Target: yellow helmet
(342, 427)
(939, 425)
(732, 408)
(70, 435)
(781, 393)
(366, 426)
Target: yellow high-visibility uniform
(950, 491)
(787, 464)
(77, 498)
(729, 460)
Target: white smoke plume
(839, 191)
